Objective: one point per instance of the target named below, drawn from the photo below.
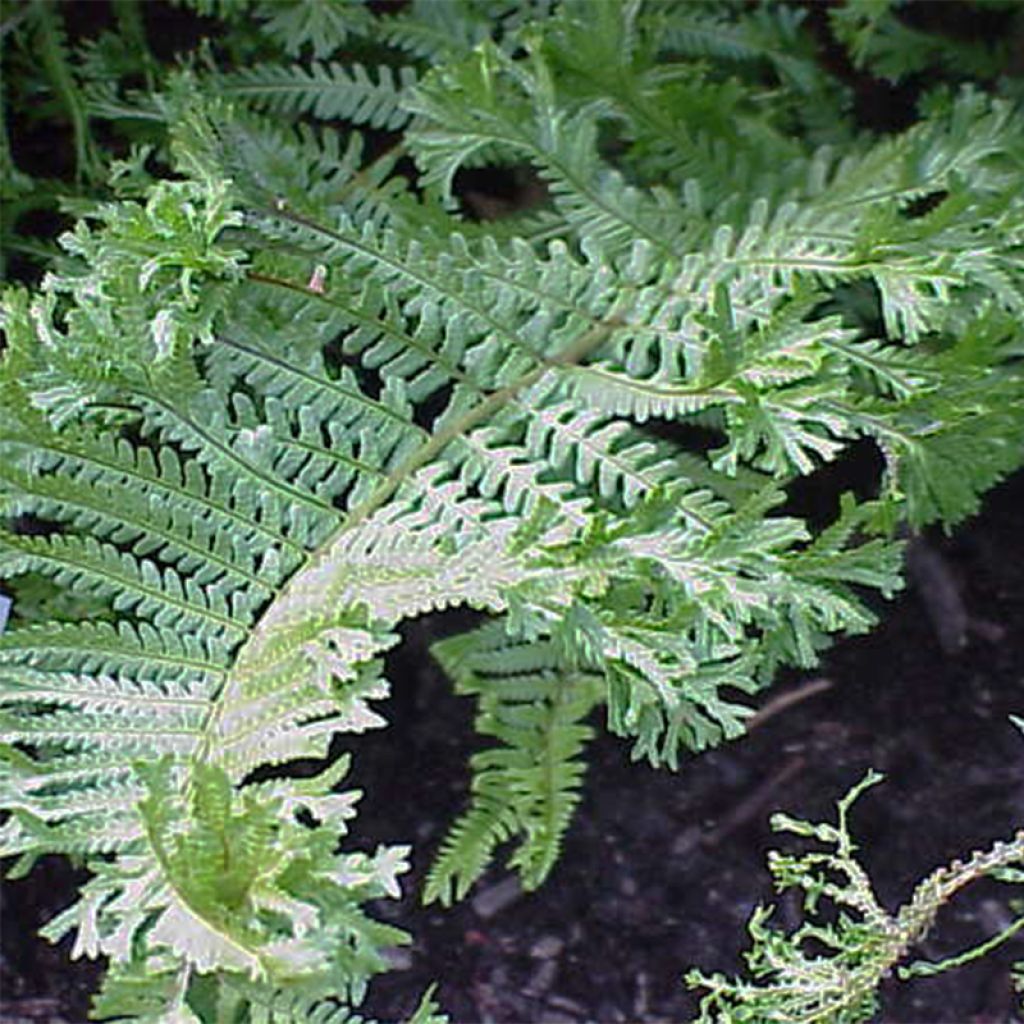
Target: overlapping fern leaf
(263, 413)
(534, 704)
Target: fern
(830, 970)
(529, 787)
(322, 27)
(263, 411)
(327, 91)
(876, 37)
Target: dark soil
(660, 871)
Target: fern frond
(101, 466)
(440, 30)
(157, 653)
(147, 993)
(601, 451)
(327, 91)
(131, 585)
(947, 444)
(528, 787)
(321, 25)
(209, 859)
(774, 36)
(519, 120)
(262, 414)
(681, 123)
(117, 514)
(230, 450)
(52, 46)
(876, 38)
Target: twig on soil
(939, 592)
(785, 700)
(750, 806)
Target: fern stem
(272, 483)
(911, 924)
(53, 54)
(402, 270)
(473, 417)
(926, 969)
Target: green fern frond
(441, 30)
(327, 90)
(226, 10)
(528, 787)
(235, 884)
(322, 26)
(774, 36)
(877, 38)
(513, 116)
(51, 43)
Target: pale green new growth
(828, 971)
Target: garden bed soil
(661, 870)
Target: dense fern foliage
(295, 388)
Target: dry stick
(785, 700)
(750, 806)
(937, 588)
